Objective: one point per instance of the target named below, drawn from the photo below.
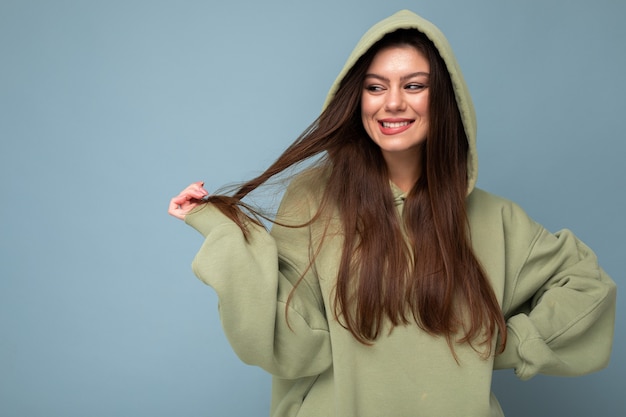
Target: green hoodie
(558, 303)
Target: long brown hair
(419, 267)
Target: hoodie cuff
(205, 218)
(526, 350)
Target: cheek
(364, 110)
(423, 105)
(365, 116)
(368, 123)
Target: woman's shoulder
(485, 206)
(480, 199)
(311, 181)
(304, 191)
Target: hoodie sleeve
(558, 303)
(253, 280)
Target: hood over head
(406, 19)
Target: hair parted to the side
(426, 274)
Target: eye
(415, 86)
(374, 88)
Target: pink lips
(394, 126)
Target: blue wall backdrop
(109, 108)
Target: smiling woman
(390, 284)
(394, 110)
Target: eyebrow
(403, 78)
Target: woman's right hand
(187, 200)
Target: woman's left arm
(559, 307)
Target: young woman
(390, 285)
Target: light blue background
(109, 108)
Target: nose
(395, 101)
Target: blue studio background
(109, 108)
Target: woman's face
(394, 103)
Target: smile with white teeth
(393, 125)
